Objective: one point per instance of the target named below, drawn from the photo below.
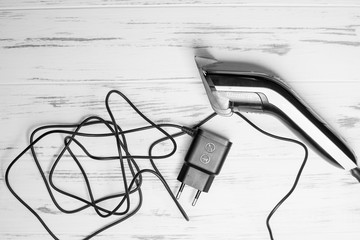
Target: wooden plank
(166, 3)
(95, 45)
(257, 173)
(183, 100)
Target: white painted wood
(251, 171)
(30, 4)
(56, 66)
(301, 44)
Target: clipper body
(233, 87)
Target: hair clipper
(234, 87)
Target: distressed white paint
(31, 4)
(57, 64)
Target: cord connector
(189, 131)
(203, 162)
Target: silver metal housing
(234, 87)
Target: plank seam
(180, 6)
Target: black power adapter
(203, 161)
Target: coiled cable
(125, 159)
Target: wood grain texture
(30, 4)
(116, 44)
(56, 66)
(239, 186)
(120, 44)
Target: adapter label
(210, 147)
(205, 159)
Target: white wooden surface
(58, 59)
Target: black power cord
(123, 154)
(131, 186)
(297, 175)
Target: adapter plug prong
(203, 162)
(180, 190)
(196, 197)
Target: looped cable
(124, 157)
